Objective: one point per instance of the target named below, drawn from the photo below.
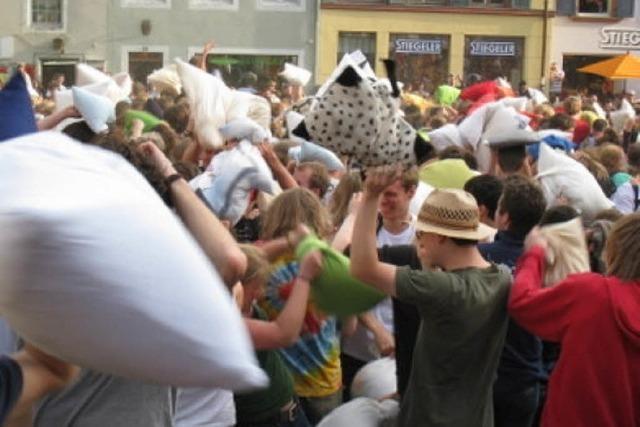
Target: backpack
(636, 202)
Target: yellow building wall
(333, 21)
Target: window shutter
(625, 8)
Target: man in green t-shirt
(461, 299)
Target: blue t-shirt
(521, 362)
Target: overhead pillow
(447, 95)
(96, 110)
(16, 109)
(124, 82)
(64, 98)
(560, 175)
(566, 251)
(476, 91)
(556, 142)
(376, 379)
(150, 121)
(230, 178)
(447, 173)
(334, 290)
(361, 118)
(295, 75)
(506, 127)
(166, 78)
(244, 128)
(445, 136)
(537, 96)
(310, 152)
(209, 99)
(96, 270)
(246, 105)
(87, 75)
(621, 116)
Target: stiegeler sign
(419, 46)
(487, 48)
(620, 38)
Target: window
(594, 7)
(493, 57)
(364, 42)
(155, 4)
(422, 60)
(282, 5)
(214, 4)
(47, 15)
(141, 64)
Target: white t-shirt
(361, 344)
(205, 407)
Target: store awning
(621, 67)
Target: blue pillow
(555, 142)
(96, 110)
(16, 109)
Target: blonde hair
(257, 264)
(339, 205)
(623, 249)
(573, 105)
(291, 208)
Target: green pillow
(150, 121)
(335, 291)
(447, 95)
(447, 173)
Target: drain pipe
(545, 29)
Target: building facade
(139, 36)
(586, 31)
(430, 39)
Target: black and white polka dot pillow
(359, 117)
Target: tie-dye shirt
(314, 359)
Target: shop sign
(419, 46)
(485, 48)
(620, 38)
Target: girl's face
(253, 291)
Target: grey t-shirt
(99, 400)
(458, 347)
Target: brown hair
(623, 249)
(319, 178)
(612, 158)
(572, 105)
(339, 205)
(410, 179)
(291, 208)
(257, 264)
(523, 199)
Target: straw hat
(452, 213)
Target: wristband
(172, 178)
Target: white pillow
(244, 128)
(209, 99)
(310, 152)
(445, 136)
(64, 98)
(566, 251)
(537, 96)
(621, 116)
(560, 175)
(376, 379)
(231, 176)
(296, 75)
(166, 78)
(96, 110)
(87, 75)
(96, 270)
(422, 192)
(125, 83)
(519, 104)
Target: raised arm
(212, 236)
(285, 329)
(208, 47)
(279, 170)
(365, 265)
(52, 120)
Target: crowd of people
(476, 334)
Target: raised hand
(380, 178)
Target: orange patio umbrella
(621, 67)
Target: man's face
(395, 201)
(502, 221)
(427, 245)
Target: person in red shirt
(596, 319)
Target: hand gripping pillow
(566, 251)
(209, 99)
(361, 118)
(376, 379)
(96, 270)
(335, 291)
(231, 177)
(96, 110)
(560, 175)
